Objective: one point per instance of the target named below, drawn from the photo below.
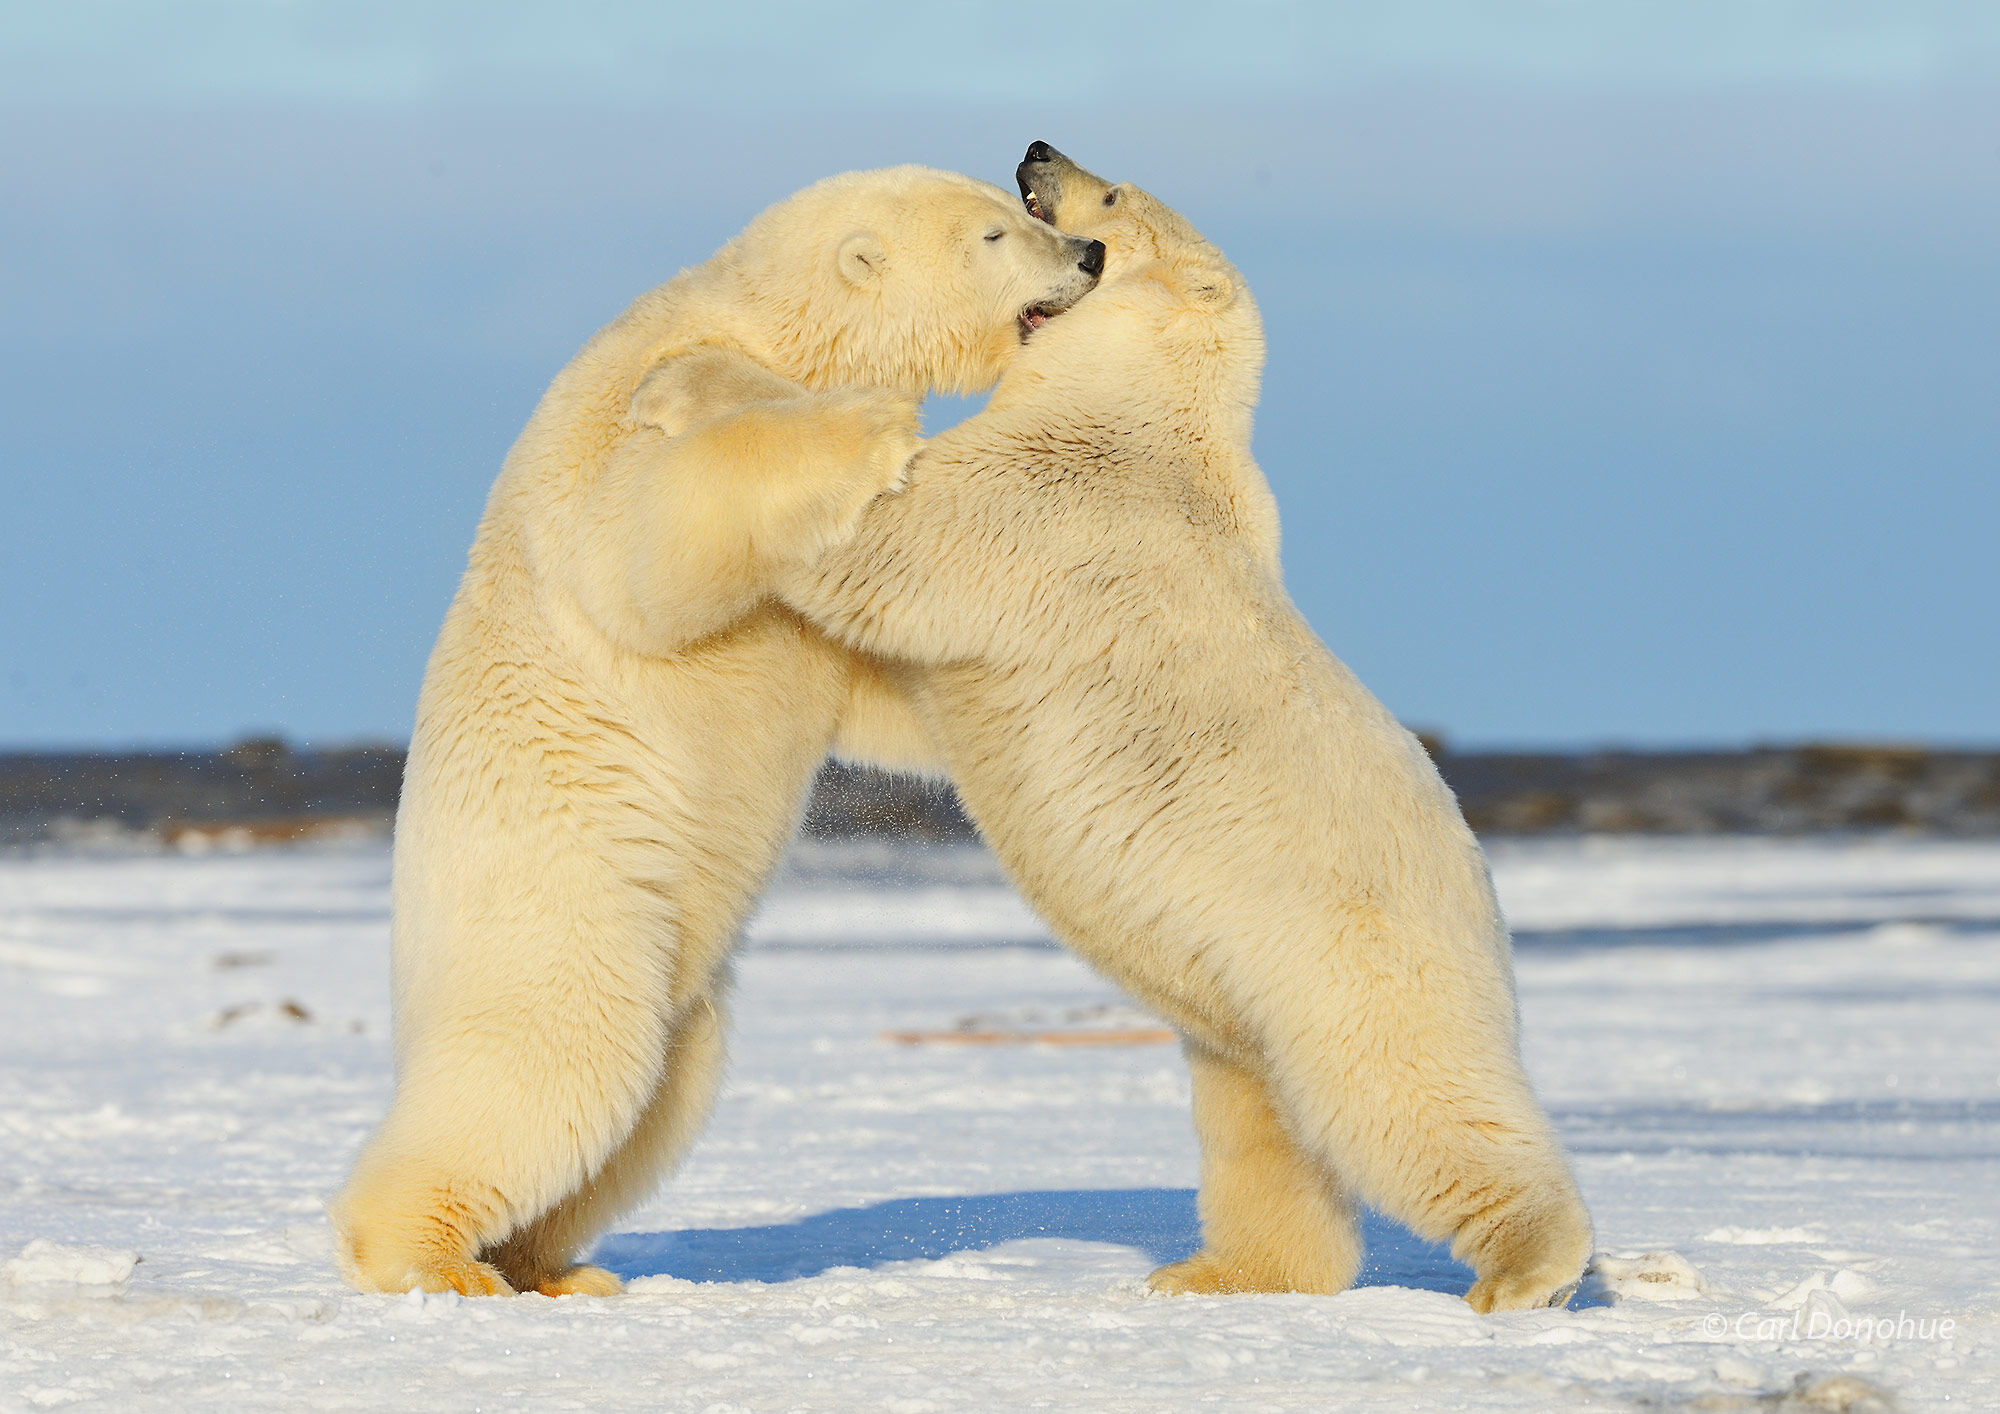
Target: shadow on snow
(1160, 1222)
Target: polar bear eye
(994, 235)
(1111, 197)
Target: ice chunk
(46, 1263)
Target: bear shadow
(1160, 1222)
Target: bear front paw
(895, 451)
(893, 439)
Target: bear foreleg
(685, 533)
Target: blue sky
(1632, 367)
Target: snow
(1773, 1061)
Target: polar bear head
(1171, 316)
(1137, 228)
(907, 278)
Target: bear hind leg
(1272, 1219)
(483, 1136)
(1431, 1119)
(395, 1234)
(1527, 1251)
(541, 1255)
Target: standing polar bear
(618, 726)
(1208, 806)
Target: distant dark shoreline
(266, 791)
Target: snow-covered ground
(1775, 1064)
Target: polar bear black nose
(1093, 259)
(1040, 152)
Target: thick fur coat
(617, 726)
(1083, 584)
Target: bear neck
(1127, 355)
(1141, 362)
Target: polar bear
(1082, 583)
(617, 726)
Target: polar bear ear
(862, 258)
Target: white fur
(617, 726)
(1083, 583)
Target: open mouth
(1029, 197)
(1035, 316)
